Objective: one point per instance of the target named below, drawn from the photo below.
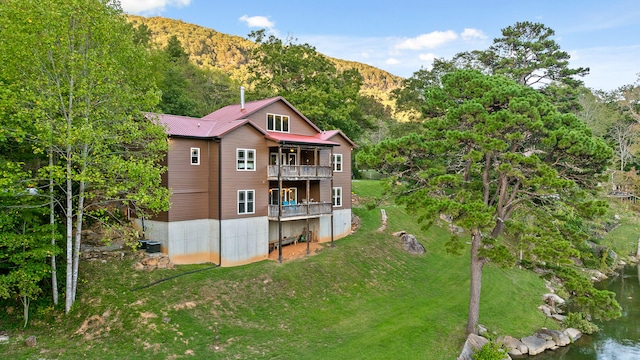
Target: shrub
(490, 351)
(577, 320)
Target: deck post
(279, 203)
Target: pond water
(618, 339)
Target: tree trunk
(52, 223)
(476, 282)
(69, 236)
(25, 310)
(76, 249)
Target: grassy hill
(363, 299)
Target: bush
(490, 351)
(577, 320)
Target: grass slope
(363, 299)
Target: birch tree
(89, 83)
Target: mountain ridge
(230, 53)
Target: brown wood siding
(164, 215)
(297, 125)
(245, 137)
(325, 185)
(188, 183)
(214, 180)
(343, 179)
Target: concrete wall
(245, 240)
(197, 241)
(342, 221)
(341, 225)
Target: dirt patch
(296, 251)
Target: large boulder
(514, 346)
(411, 245)
(535, 344)
(573, 334)
(552, 299)
(558, 337)
(473, 344)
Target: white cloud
(427, 57)
(471, 34)
(257, 22)
(150, 7)
(428, 41)
(392, 61)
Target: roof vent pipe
(241, 98)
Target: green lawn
(364, 299)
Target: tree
(24, 248)
(189, 90)
(629, 99)
(525, 53)
(88, 84)
(492, 156)
(309, 81)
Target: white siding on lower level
(197, 241)
(243, 240)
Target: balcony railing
(300, 171)
(301, 210)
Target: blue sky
(402, 36)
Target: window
(195, 156)
(278, 123)
(289, 196)
(337, 162)
(337, 196)
(246, 159)
(246, 202)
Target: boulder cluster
(537, 343)
(153, 261)
(545, 339)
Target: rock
(138, 266)
(535, 344)
(558, 317)
(482, 330)
(546, 309)
(596, 275)
(514, 346)
(31, 341)
(399, 233)
(573, 334)
(411, 245)
(150, 262)
(473, 344)
(552, 299)
(4, 336)
(558, 337)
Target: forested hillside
(211, 49)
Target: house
(250, 177)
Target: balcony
(300, 211)
(300, 172)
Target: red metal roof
(299, 139)
(224, 120)
(326, 135)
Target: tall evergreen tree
(499, 159)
